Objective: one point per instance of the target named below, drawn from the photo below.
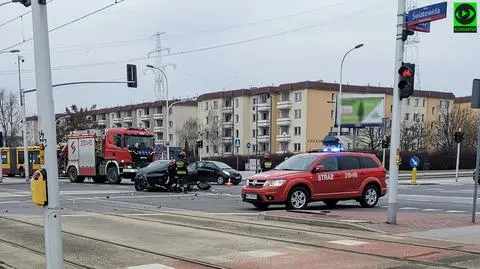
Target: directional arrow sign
(427, 14)
(414, 161)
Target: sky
(277, 41)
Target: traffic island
(368, 220)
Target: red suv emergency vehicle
(326, 176)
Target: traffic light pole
(396, 112)
(458, 157)
(48, 136)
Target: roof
(319, 85)
(464, 99)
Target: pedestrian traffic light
(406, 33)
(132, 76)
(386, 142)
(459, 136)
(407, 80)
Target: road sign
(465, 17)
(249, 145)
(336, 133)
(414, 161)
(237, 142)
(427, 14)
(421, 27)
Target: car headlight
(226, 173)
(274, 183)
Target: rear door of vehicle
(349, 167)
(369, 168)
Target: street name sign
(427, 14)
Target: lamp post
(339, 99)
(284, 134)
(26, 162)
(168, 108)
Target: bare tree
(189, 133)
(10, 118)
(75, 119)
(449, 122)
(370, 138)
(417, 136)
(212, 131)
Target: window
(298, 130)
(236, 118)
(170, 110)
(297, 163)
(423, 105)
(391, 108)
(348, 163)
(285, 96)
(215, 149)
(408, 101)
(159, 123)
(228, 147)
(296, 147)
(129, 125)
(265, 131)
(422, 118)
(407, 116)
(433, 110)
(264, 116)
(331, 114)
(416, 102)
(284, 129)
(236, 102)
(415, 117)
(209, 166)
(206, 105)
(237, 133)
(330, 164)
(128, 114)
(284, 114)
(207, 120)
(170, 124)
(207, 149)
(119, 115)
(284, 146)
(146, 111)
(366, 162)
(215, 119)
(215, 104)
(333, 96)
(20, 157)
(170, 136)
(253, 133)
(298, 96)
(147, 124)
(254, 117)
(298, 113)
(159, 136)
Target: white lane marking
(348, 242)
(409, 208)
(419, 200)
(261, 253)
(151, 266)
(431, 210)
(455, 211)
(449, 199)
(434, 189)
(12, 202)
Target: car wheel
(261, 206)
(370, 196)
(73, 175)
(137, 186)
(330, 203)
(112, 175)
(297, 198)
(220, 180)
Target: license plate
(251, 196)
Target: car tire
(220, 180)
(370, 196)
(137, 186)
(261, 206)
(112, 175)
(73, 175)
(330, 203)
(298, 198)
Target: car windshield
(222, 165)
(135, 141)
(297, 163)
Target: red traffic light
(405, 72)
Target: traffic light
(459, 136)
(26, 3)
(407, 80)
(132, 76)
(406, 33)
(386, 142)
(1, 139)
(200, 144)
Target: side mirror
(319, 169)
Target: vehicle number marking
(351, 175)
(325, 177)
(86, 142)
(251, 196)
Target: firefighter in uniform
(181, 165)
(266, 164)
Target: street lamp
(9, 51)
(284, 134)
(339, 99)
(166, 101)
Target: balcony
(227, 124)
(102, 122)
(282, 138)
(127, 119)
(263, 123)
(227, 109)
(145, 118)
(263, 106)
(284, 121)
(227, 139)
(158, 116)
(284, 105)
(117, 120)
(158, 129)
(263, 138)
(158, 142)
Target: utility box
(38, 186)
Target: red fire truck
(108, 155)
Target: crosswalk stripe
(409, 208)
(455, 211)
(432, 210)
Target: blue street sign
(237, 142)
(427, 14)
(414, 161)
(421, 27)
(249, 145)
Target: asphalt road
(440, 195)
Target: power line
(132, 60)
(20, 16)
(69, 23)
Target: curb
(343, 224)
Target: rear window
(348, 163)
(367, 162)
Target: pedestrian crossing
(431, 210)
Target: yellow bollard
(414, 175)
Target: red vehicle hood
(276, 174)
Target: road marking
(409, 208)
(11, 202)
(151, 266)
(455, 211)
(348, 242)
(419, 200)
(432, 210)
(261, 253)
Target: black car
(212, 171)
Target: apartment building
(295, 117)
(151, 115)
